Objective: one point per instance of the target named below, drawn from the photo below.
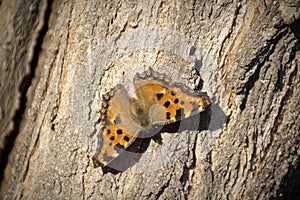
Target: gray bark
(247, 54)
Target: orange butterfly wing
(118, 130)
(166, 102)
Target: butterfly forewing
(164, 101)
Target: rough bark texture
(21, 24)
(247, 54)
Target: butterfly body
(157, 101)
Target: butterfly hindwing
(112, 142)
(118, 129)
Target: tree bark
(69, 53)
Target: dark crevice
(265, 54)
(249, 85)
(184, 179)
(197, 66)
(185, 175)
(295, 28)
(279, 83)
(23, 89)
(254, 151)
(289, 93)
(208, 159)
(282, 71)
(289, 186)
(193, 164)
(193, 11)
(162, 189)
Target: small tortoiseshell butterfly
(157, 101)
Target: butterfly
(156, 101)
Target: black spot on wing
(119, 131)
(159, 96)
(168, 115)
(176, 101)
(173, 93)
(126, 138)
(112, 138)
(167, 104)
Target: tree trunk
(57, 59)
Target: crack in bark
(286, 97)
(23, 89)
(235, 18)
(264, 53)
(162, 189)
